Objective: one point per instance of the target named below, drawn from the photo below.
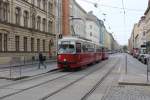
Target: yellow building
(107, 41)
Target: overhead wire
(115, 7)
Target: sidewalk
(28, 70)
(136, 73)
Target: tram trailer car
(105, 54)
(75, 52)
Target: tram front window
(66, 48)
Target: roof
(76, 39)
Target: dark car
(144, 58)
(140, 57)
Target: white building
(92, 28)
(77, 19)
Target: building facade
(26, 28)
(92, 28)
(102, 31)
(147, 26)
(77, 19)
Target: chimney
(65, 18)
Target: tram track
(32, 87)
(85, 97)
(68, 85)
(31, 78)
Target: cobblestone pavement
(127, 93)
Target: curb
(24, 77)
(137, 84)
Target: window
(38, 22)
(5, 42)
(26, 17)
(43, 45)
(78, 47)
(50, 26)
(50, 7)
(33, 21)
(39, 3)
(17, 42)
(90, 33)
(44, 4)
(0, 42)
(44, 24)
(90, 26)
(5, 11)
(1, 10)
(38, 45)
(18, 15)
(32, 44)
(25, 43)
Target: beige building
(107, 41)
(26, 28)
(147, 26)
(138, 36)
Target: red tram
(75, 52)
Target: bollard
(24, 60)
(20, 71)
(10, 73)
(126, 64)
(147, 68)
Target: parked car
(144, 58)
(140, 57)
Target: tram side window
(84, 48)
(90, 48)
(78, 47)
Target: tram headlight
(65, 60)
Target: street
(96, 82)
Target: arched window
(44, 24)
(38, 22)
(18, 15)
(26, 17)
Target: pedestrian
(41, 60)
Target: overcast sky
(115, 16)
